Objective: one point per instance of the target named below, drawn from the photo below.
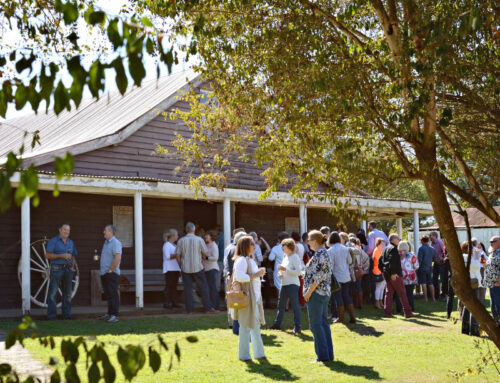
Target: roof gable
(96, 123)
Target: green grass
(424, 349)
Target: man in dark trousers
(390, 265)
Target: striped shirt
(189, 248)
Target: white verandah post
(363, 222)
(416, 231)
(139, 272)
(226, 214)
(303, 218)
(25, 257)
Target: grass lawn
(422, 349)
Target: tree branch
(464, 195)
(468, 175)
(354, 34)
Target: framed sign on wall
(123, 221)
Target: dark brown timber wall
(87, 214)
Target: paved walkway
(22, 361)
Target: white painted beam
(416, 232)
(303, 218)
(156, 189)
(226, 216)
(25, 257)
(139, 269)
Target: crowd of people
(328, 272)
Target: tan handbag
(235, 296)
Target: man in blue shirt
(426, 256)
(111, 256)
(60, 253)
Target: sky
(111, 7)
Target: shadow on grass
(422, 323)
(271, 371)
(366, 372)
(432, 317)
(364, 330)
(270, 340)
(304, 337)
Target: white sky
(113, 8)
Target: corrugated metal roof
(475, 216)
(92, 120)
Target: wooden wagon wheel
(40, 275)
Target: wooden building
(118, 178)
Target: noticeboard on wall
(123, 221)
(292, 224)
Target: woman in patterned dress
(317, 291)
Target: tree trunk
(461, 278)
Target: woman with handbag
(377, 274)
(246, 278)
(317, 291)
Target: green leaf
(131, 359)
(55, 378)
(177, 352)
(162, 342)
(71, 374)
(192, 338)
(94, 374)
(146, 22)
(109, 371)
(3, 103)
(53, 361)
(25, 324)
(168, 58)
(21, 96)
(121, 76)
(69, 351)
(96, 17)
(96, 78)
(64, 166)
(61, 99)
(150, 46)
(5, 369)
(113, 34)
(11, 339)
(154, 360)
(69, 10)
(136, 68)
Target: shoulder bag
(235, 296)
